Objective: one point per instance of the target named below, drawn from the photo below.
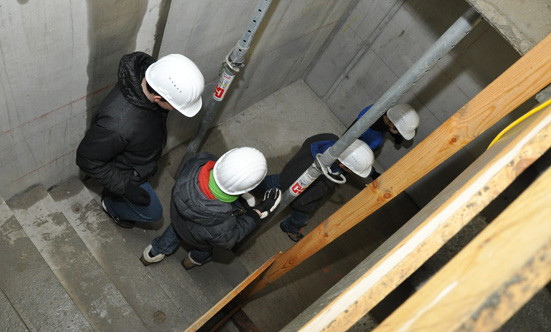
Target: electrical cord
(519, 120)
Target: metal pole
(234, 60)
(441, 47)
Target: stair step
(9, 317)
(73, 264)
(29, 283)
(194, 291)
(119, 261)
(170, 275)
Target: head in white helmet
(404, 119)
(358, 158)
(178, 81)
(240, 170)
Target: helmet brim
(192, 110)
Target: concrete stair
(67, 267)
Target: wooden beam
(423, 235)
(243, 322)
(492, 277)
(519, 82)
(230, 303)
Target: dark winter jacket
(202, 222)
(127, 134)
(308, 201)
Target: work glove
(136, 194)
(271, 200)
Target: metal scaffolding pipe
(441, 47)
(234, 60)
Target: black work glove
(136, 194)
(271, 200)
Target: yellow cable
(519, 120)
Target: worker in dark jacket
(128, 132)
(205, 210)
(357, 158)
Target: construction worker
(357, 158)
(205, 211)
(128, 132)
(400, 122)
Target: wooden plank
(243, 322)
(492, 277)
(228, 304)
(522, 80)
(434, 225)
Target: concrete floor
(299, 114)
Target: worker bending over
(128, 132)
(357, 158)
(204, 209)
(400, 122)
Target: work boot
(146, 258)
(189, 263)
(122, 223)
(295, 237)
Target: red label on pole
(297, 189)
(222, 87)
(219, 92)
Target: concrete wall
(287, 42)
(522, 23)
(59, 59)
(378, 43)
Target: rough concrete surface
(78, 271)
(31, 286)
(99, 233)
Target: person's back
(205, 211)
(358, 159)
(206, 219)
(400, 122)
(127, 134)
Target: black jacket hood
(132, 69)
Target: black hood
(132, 69)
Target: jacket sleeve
(95, 155)
(244, 224)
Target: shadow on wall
(112, 32)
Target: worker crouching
(357, 158)
(205, 211)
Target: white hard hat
(179, 81)
(240, 170)
(358, 157)
(405, 119)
